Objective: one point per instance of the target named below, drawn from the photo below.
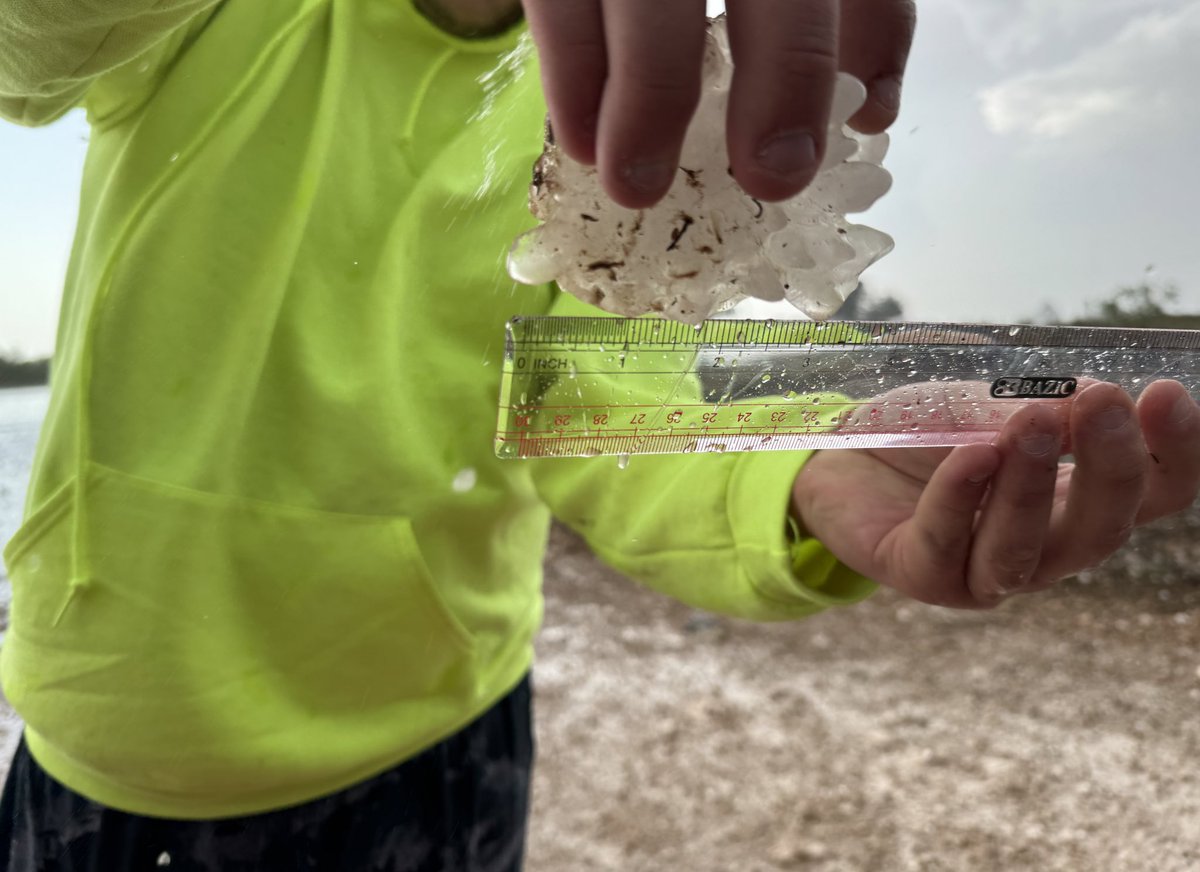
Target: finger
(655, 54)
(571, 50)
(875, 38)
(1171, 427)
(785, 65)
(1106, 486)
(938, 537)
(1012, 526)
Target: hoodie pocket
(208, 623)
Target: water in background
(21, 413)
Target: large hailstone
(708, 244)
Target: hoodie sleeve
(51, 51)
(711, 531)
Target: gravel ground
(1057, 732)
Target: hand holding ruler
(578, 387)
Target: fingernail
(787, 154)
(886, 92)
(1182, 411)
(979, 478)
(1038, 444)
(649, 177)
(1113, 418)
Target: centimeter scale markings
(579, 387)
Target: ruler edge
(656, 332)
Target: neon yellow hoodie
(245, 577)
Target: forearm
(709, 530)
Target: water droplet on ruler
(622, 461)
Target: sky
(1045, 155)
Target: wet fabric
(245, 577)
(460, 806)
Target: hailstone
(708, 244)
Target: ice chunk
(708, 244)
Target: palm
(966, 526)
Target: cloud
(1139, 80)
(1007, 30)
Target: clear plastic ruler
(578, 387)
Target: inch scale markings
(575, 387)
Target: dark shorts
(460, 806)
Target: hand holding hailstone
(708, 243)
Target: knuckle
(664, 93)
(1128, 476)
(811, 56)
(941, 546)
(1032, 497)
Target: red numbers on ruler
(709, 417)
(639, 418)
(562, 420)
(599, 420)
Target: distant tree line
(1141, 305)
(23, 373)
